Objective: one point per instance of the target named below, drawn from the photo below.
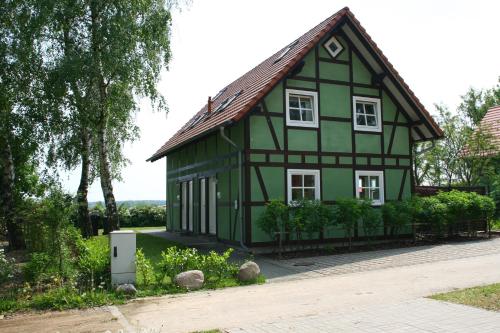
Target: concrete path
(363, 292)
(419, 315)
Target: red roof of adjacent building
(491, 124)
(255, 84)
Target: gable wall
(334, 147)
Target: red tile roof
(491, 124)
(259, 81)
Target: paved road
(363, 292)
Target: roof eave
(157, 157)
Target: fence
(427, 191)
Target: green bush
(7, 267)
(274, 219)
(144, 268)
(434, 215)
(311, 217)
(464, 206)
(214, 266)
(38, 268)
(93, 263)
(370, 219)
(399, 214)
(48, 229)
(346, 213)
(174, 261)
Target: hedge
(138, 216)
(445, 213)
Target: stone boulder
(127, 289)
(190, 279)
(248, 271)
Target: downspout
(240, 191)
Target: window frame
(300, 123)
(369, 173)
(317, 182)
(378, 114)
(334, 40)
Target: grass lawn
(486, 297)
(153, 245)
(136, 229)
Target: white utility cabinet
(122, 257)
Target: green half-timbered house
(326, 117)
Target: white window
(303, 184)
(301, 108)
(333, 47)
(370, 186)
(367, 114)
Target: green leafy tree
(103, 54)
(22, 116)
(476, 102)
(129, 45)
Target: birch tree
(129, 45)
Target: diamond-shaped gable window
(333, 46)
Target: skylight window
(196, 120)
(227, 101)
(333, 46)
(285, 51)
(219, 94)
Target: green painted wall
(333, 140)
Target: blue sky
(440, 48)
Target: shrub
(144, 268)
(38, 268)
(215, 267)
(47, 229)
(311, 216)
(174, 261)
(93, 262)
(370, 219)
(465, 206)
(274, 219)
(347, 213)
(7, 267)
(434, 214)
(398, 214)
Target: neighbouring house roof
(243, 94)
(491, 124)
